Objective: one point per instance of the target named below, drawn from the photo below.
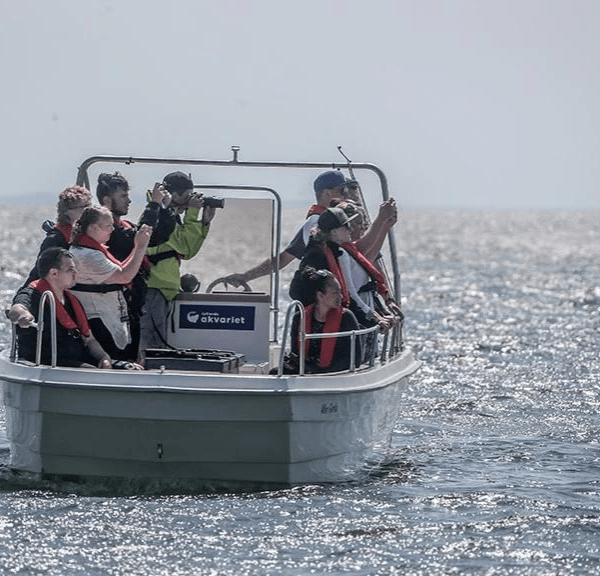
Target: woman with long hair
(325, 314)
(101, 277)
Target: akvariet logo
(214, 317)
(193, 317)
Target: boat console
(236, 321)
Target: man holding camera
(165, 255)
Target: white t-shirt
(356, 277)
(297, 246)
(93, 267)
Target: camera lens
(214, 202)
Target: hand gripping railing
(304, 336)
(39, 326)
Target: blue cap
(331, 179)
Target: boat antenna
(358, 188)
(379, 260)
(345, 157)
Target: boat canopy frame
(84, 180)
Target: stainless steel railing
(47, 296)
(296, 304)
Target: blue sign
(216, 317)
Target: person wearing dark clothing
(112, 192)
(323, 253)
(76, 345)
(71, 203)
(325, 314)
(165, 252)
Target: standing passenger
(183, 243)
(101, 277)
(71, 202)
(112, 192)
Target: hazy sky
(463, 103)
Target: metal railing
(49, 296)
(296, 304)
(39, 326)
(83, 179)
(275, 239)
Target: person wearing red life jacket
(367, 284)
(101, 277)
(112, 192)
(325, 314)
(76, 345)
(71, 202)
(325, 251)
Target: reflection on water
(495, 462)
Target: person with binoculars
(181, 241)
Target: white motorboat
(238, 427)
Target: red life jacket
(334, 267)
(88, 242)
(315, 209)
(333, 322)
(369, 268)
(124, 224)
(65, 230)
(80, 322)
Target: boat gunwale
(343, 382)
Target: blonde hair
(70, 198)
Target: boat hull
(213, 428)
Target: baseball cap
(332, 179)
(178, 181)
(334, 218)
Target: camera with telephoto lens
(214, 202)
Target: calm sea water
(496, 462)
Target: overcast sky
(463, 103)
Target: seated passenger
(76, 346)
(101, 277)
(325, 314)
(71, 202)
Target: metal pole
(47, 295)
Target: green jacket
(186, 240)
